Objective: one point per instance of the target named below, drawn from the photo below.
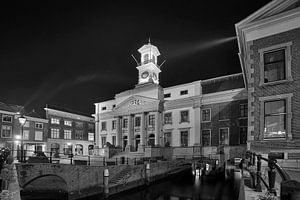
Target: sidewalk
(251, 194)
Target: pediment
(137, 103)
(271, 9)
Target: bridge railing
(289, 188)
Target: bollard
(258, 174)
(103, 159)
(127, 160)
(71, 158)
(253, 159)
(50, 157)
(116, 161)
(134, 161)
(89, 160)
(272, 176)
(148, 169)
(105, 182)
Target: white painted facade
(149, 98)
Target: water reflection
(182, 187)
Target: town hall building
(207, 115)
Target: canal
(181, 187)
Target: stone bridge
(79, 181)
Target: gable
(137, 104)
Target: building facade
(180, 116)
(69, 133)
(269, 49)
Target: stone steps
(120, 177)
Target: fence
(289, 188)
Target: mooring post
(148, 169)
(105, 182)
(272, 176)
(258, 174)
(50, 157)
(89, 160)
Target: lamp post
(22, 121)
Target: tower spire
(149, 42)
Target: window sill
(205, 121)
(184, 122)
(243, 117)
(223, 120)
(276, 82)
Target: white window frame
(188, 117)
(54, 120)
(209, 137)
(91, 135)
(241, 117)
(288, 98)
(102, 127)
(228, 136)
(67, 122)
(288, 62)
(188, 136)
(36, 135)
(25, 134)
(113, 124)
(11, 118)
(68, 133)
(209, 115)
(39, 125)
(11, 131)
(169, 122)
(55, 132)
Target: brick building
(203, 115)
(269, 49)
(69, 132)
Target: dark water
(182, 187)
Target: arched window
(91, 149)
(78, 149)
(55, 150)
(151, 140)
(68, 149)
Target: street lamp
(22, 121)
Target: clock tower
(148, 68)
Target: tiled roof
(10, 107)
(68, 110)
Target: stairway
(120, 176)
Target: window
(168, 118)
(91, 137)
(103, 126)
(137, 121)
(6, 131)
(184, 116)
(113, 138)
(206, 141)
(67, 134)
(54, 121)
(38, 125)
(113, 106)
(151, 140)
(38, 135)
(275, 119)
(146, 58)
(79, 125)
(103, 141)
(103, 108)
(78, 149)
(184, 92)
(91, 127)
(224, 136)
(91, 149)
(113, 125)
(167, 139)
(54, 133)
(25, 134)
(68, 123)
(68, 149)
(243, 110)
(206, 115)
(274, 66)
(167, 95)
(7, 118)
(55, 150)
(224, 111)
(243, 135)
(125, 123)
(184, 138)
(78, 135)
(152, 120)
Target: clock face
(145, 74)
(154, 76)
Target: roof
(10, 107)
(68, 110)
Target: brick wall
(256, 91)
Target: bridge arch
(46, 181)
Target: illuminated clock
(145, 74)
(154, 76)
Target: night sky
(74, 54)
